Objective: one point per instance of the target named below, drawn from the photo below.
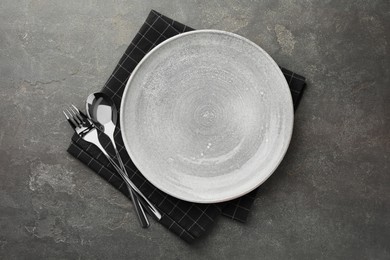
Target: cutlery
(88, 132)
(104, 114)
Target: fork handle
(141, 216)
(151, 209)
(139, 208)
(148, 205)
(92, 137)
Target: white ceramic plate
(207, 116)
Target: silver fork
(87, 131)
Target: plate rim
(151, 52)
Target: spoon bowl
(102, 110)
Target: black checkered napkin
(187, 220)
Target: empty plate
(207, 116)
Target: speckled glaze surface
(207, 116)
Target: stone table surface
(330, 197)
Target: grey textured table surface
(330, 198)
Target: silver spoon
(101, 109)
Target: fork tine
(75, 116)
(67, 117)
(75, 108)
(78, 111)
(70, 119)
(73, 119)
(79, 114)
(80, 117)
(83, 116)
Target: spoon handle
(143, 220)
(147, 204)
(92, 137)
(143, 199)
